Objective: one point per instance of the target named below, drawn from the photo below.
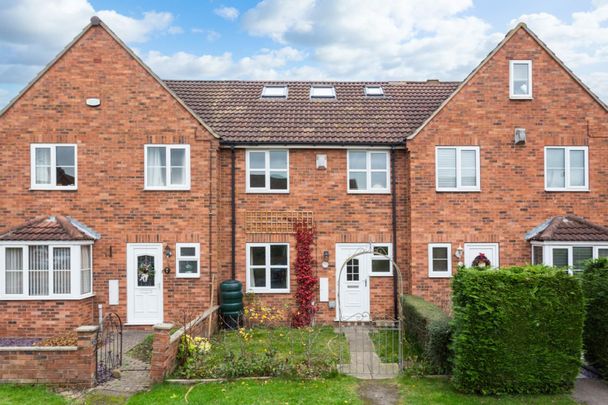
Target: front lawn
(262, 351)
(386, 345)
(339, 390)
(28, 394)
(439, 391)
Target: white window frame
(168, 186)
(567, 186)
(459, 187)
(267, 171)
(549, 246)
(314, 96)
(374, 257)
(284, 95)
(53, 185)
(179, 258)
(439, 274)
(368, 171)
(369, 92)
(75, 271)
(267, 266)
(512, 94)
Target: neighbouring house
(126, 193)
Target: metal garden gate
(108, 348)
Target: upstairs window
(374, 91)
(368, 171)
(53, 167)
(167, 167)
(267, 171)
(322, 92)
(274, 92)
(520, 79)
(457, 168)
(566, 169)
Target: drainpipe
(394, 218)
(233, 207)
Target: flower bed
(263, 351)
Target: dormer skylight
(274, 92)
(322, 92)
(374, 91)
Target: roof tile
(569, 228)
(49, 228)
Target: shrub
(428, 331)
(516, 330)
(595, 335)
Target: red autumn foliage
(306, 280)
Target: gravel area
(6, 342)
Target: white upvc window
(188, 260)
(54, 166)
(268, 267)
(457, 168)
(267, 171)
(322, 92)
(276, 91)
(566, 168)
(45, 270)
(167, 167)
(520, 79)
(570, 255)
(368, 171)
(440, 260)
(381, 265)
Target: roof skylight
(374, 91)
(322, 92)
(274, 92)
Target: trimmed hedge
(516, 330)
(595, 335)
(428, 331)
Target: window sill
(81, 297)
(253, 191)
(567, 190)
(440, 276)
(53, 188)
(513, 97)
(381, 274)
(385, 192)
(177, 275)
(442, 190)
(258, 291)
(166, 189)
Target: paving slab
(364, 362)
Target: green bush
(428, 332)
(516, 330)
(595, 335)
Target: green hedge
(428, 331)
(516, 330)
(595, 335)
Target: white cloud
(356, 39)
(227, 13)
(264, 65)
(174, 30)
(210, 35)
(132, 30)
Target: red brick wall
(512, 199)
(135, 110)
(44, 318)
(339, 218)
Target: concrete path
(590, 391)
(135, 374)
(364, 362)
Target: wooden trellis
(276, 222)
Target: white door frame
(489, 245)
(366, 301)
(130, 279)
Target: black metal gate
(108, 348)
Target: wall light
(459, 252)
(325, 263)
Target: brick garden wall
(135, 110)
(512, 199)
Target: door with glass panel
(144, 284)
(352, 282)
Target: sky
(305, 39)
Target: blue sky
(305, 39)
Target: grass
(386, 345)
(339, 390)
(28, 394)
(438, 391)
(143, 350)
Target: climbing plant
(305, 277)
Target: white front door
(144, 283)
(352, 282)
(472, 250)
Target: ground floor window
(571, 256)
(188, 260)
(45, 271)
(268, 267)
(440, 263)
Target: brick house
(140, 194)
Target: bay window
(45, 271)
(571, 255)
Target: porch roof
(50, 228)
(568, 228)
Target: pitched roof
(506, 39)
(238, 113)
(569, 228)
(50, 228)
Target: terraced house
(130, 194)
